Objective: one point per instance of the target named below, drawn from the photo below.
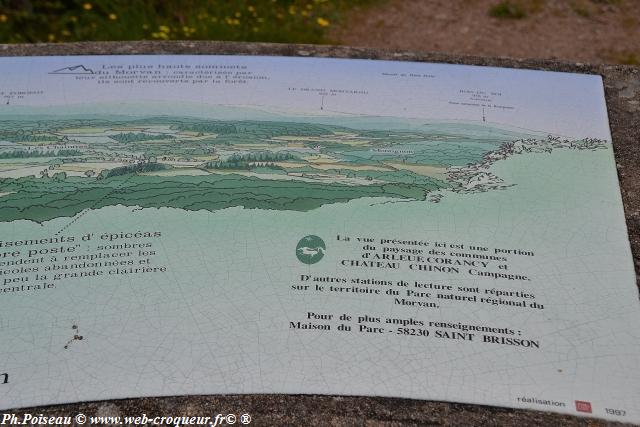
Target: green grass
(294, 21)
(508, 9)
(582, 8)
(626, 58)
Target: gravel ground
(592, 31)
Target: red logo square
(582, 406)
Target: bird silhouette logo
(310, 249)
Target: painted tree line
(129, 137)
(245, 161)
(23, 154)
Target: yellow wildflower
(66, 33)
(164, 29)
(113, 16)
(160, 35)
(74, 19)
(3, 18)
(251, 8)
(87, 6)
(52, 37)
(322, 22)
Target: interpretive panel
(231, 224)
